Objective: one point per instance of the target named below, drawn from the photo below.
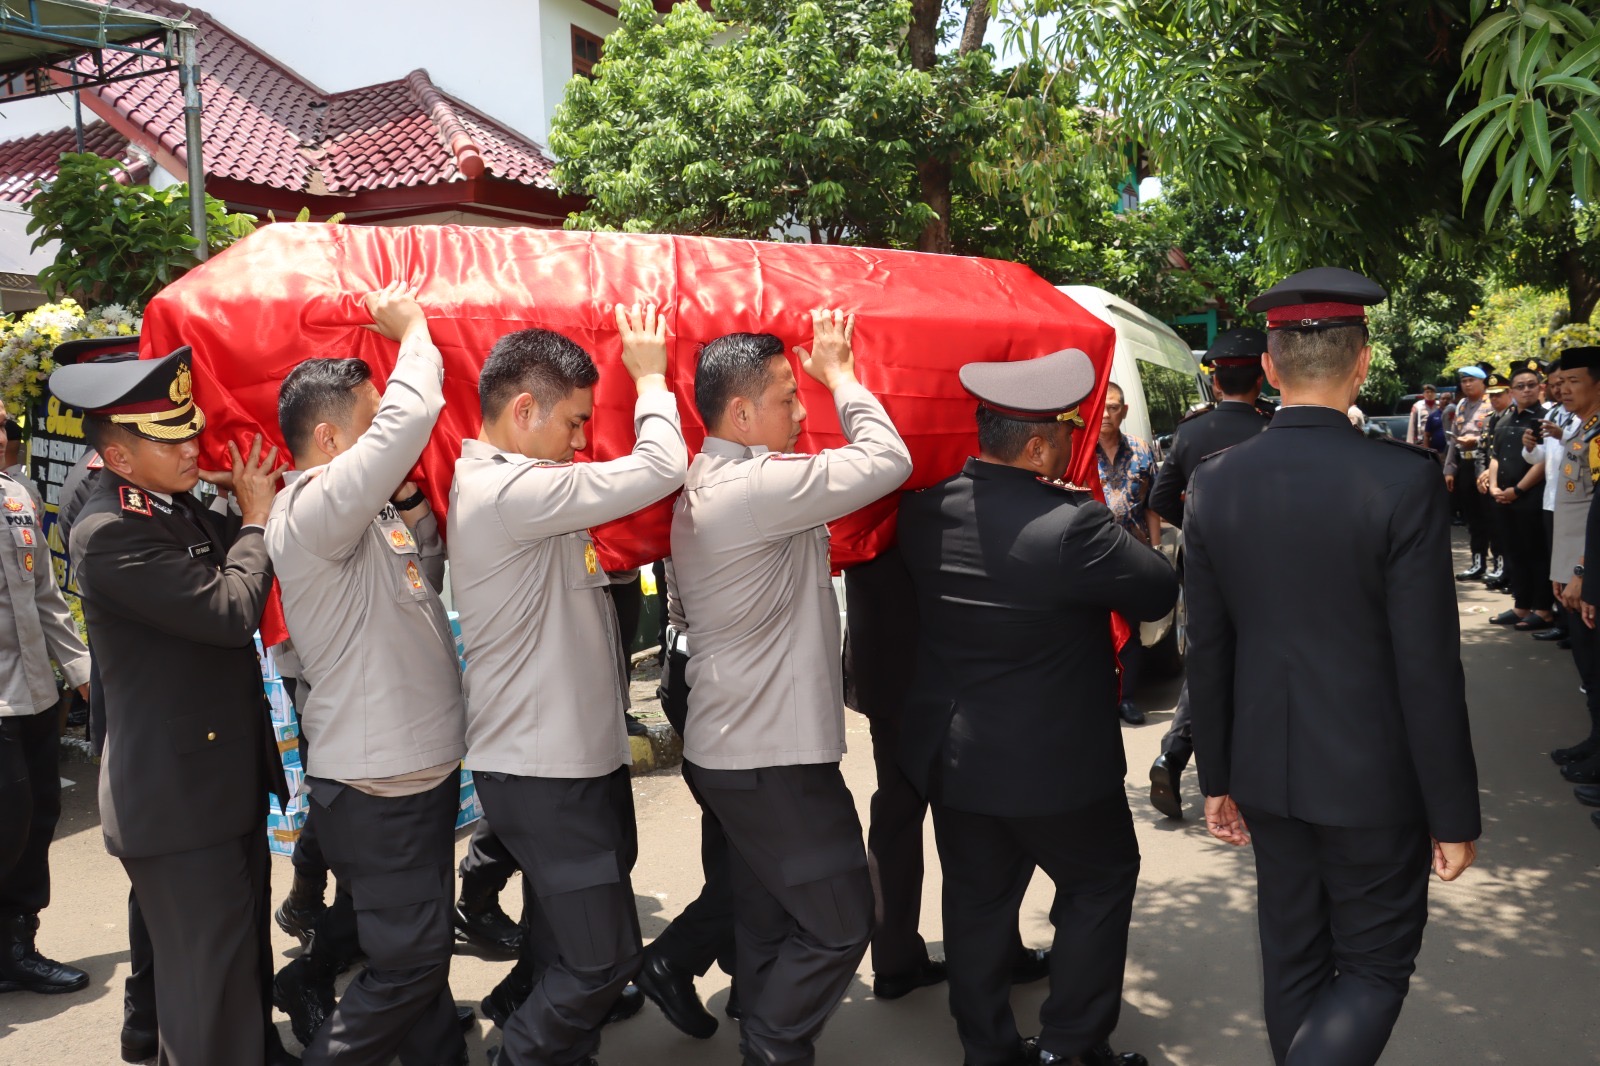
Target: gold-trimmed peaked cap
(1047, 389)
(153, 398)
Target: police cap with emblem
(1046, 389)
(1320, 298)
(1528, 366)
(1236, 347)
(152, 398)
(1496, 382)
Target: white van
(1161, 382)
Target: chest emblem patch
(591, 561)
(27, 537)
(13, 503)
(414, 576)
(399, 538)
(27, 561)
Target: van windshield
(1168, 394)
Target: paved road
(1509, 972)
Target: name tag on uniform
(197, 550)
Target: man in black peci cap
(172, 595)
(1010, 728)
(1235, 364)
(1335, 739)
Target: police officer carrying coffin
(1335, 738)
(385, 718)
(172, 595)
(1235, 362)
(765, 734)
(36, 628)
(546, 739)
(1010, 730)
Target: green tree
(1507, 325)
(119, 243)
(1538, 106)
(1417, 325)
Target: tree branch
(977, 25)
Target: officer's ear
(525, 413)
(325, 436)
(1270, 369)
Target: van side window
(1168, 394)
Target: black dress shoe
(1166, 773)
(480, 921)
(139, 1045)
(23, 969)
(306, 999)
(895, 985)
(300, 910)
(1578, 752)
(466, 1017)
(636, 728)
(1473, 572)
(1553, 633)
(1130, 713)
(1588, 795)
(1102, 1055)
(1565, 643)
(1033, 964)
(1505, 618)
(673, 991)
(629, 1003)
(1586, 772)
(733, 1008)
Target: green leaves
(1551, 56)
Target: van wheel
(1166, 658)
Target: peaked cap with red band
(1320, 298)
(153, 398)
(1046, 389)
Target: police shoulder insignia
(134, 500)
(14, 503)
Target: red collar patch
(135, 500)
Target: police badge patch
(134, 500)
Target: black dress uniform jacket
(1036, 571)
(172, 594)
(1198, 436)
(1343, 705)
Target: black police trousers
(30, 796)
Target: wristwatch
(1577, 571)
(416, 499)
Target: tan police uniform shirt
(750, 568)
(1574, 489)
(35, 624)
(1472, 417)
(367, 624)
(545, 690)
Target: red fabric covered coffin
(292, 291)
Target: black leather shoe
(1166, 774)
(1130, 714)
(1586, 772)
(1495, 576)
(23, 969)
(1565, 643)
(480, 921)
(1578, 752)
(636, 728)
(733, 1008)
(1505, 618)
(628, 1004)
(138, 1045)
(306, 1000)
(1588, 795)
(673, 991)
(1102, 1055)
(298, 913)
(1473, 572)
(895, 985)
(466, 1017)
(1553, 633)
(1033, 964)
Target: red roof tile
(31, 159)
(266, 125)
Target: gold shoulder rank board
(134, 500)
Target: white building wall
(508, 58)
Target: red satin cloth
(292, 291)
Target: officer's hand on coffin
(644, 344)
(395, 311)
(830, 359)
(255, 480)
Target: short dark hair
(1430, 388)
(100, 431)
(1316, 354)
(1121, 396)
(735, 364)
(316, 391)
(1236, 380)
(1004, 437)
(540, 362)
